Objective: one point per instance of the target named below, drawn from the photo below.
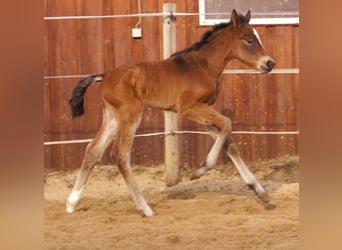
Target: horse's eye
(248, 40)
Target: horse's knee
(226, 127)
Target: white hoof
(197, 173)
(144, 209)
(148, 212)
(70, 209)
(73, 200)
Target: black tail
(76, 101)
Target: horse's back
(158, 84)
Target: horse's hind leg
(246, 174)
(93, 154)
(129, 122)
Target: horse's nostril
(270, 64)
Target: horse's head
(247, 46)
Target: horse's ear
(248, 15)
(234, 18)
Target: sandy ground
(217, 211)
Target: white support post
(170, 118)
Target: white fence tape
(178, 132)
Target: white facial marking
(258, 37)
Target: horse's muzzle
(268, 66)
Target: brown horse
(186, 83)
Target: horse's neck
(217, 51)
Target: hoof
(269, 206)
(73, 200)
(194, 177)
(70, 208)
(264, 197)
(259, 191)
(171, 183)
(144, 209)
(266, 201)
(147, 212)
(197, 173)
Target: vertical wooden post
(170, 118)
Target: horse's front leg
(251, 181)
(211, 159)
(206, 115)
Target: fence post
(170, 118)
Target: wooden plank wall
(255, 102)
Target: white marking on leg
(214, 152)
(94, 152)
(109, 131)
(199, 172)
(258, 37)
(73, 200)
(247, 175)
(141, 205)
(139, 201)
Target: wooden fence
(75, 48)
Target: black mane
(205, 37)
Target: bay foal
(186, 83)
